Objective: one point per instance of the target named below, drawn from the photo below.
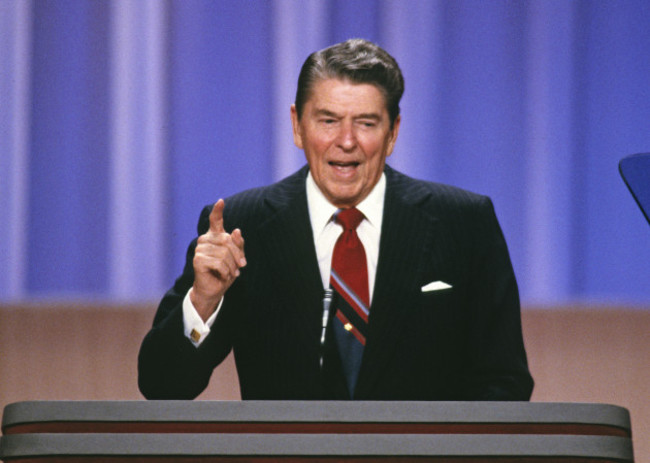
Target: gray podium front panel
(263, 447)
(317, 417)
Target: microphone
(327, 303)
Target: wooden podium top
(296, 417)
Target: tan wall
(89, 353)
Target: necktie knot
(349, 218)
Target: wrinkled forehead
(343, 88)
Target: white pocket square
(435, 286)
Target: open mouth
(343, 165)
(344, 170)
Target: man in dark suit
(443, 316)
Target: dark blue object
(635, 170)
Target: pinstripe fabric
(462, 343)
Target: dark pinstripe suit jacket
(462, 343)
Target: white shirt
(326, 232)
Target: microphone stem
(327, 303)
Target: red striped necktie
(349, 279)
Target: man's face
(346, 135)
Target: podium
(253, 431)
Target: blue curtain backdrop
(120, 119)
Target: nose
(347, 139)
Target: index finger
(216, 217)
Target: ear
(393, 135)
(295, 125)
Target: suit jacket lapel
(404, 250)
(291, 249)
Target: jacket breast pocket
(441, 311)
(437, 299)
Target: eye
(368, 124)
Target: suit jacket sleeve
(169, 365)
(497, 367)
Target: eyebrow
(368, 116)
(328, 113)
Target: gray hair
(358, 61)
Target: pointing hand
(217, 259)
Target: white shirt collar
(321, 210)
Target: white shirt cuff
(195, 328)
